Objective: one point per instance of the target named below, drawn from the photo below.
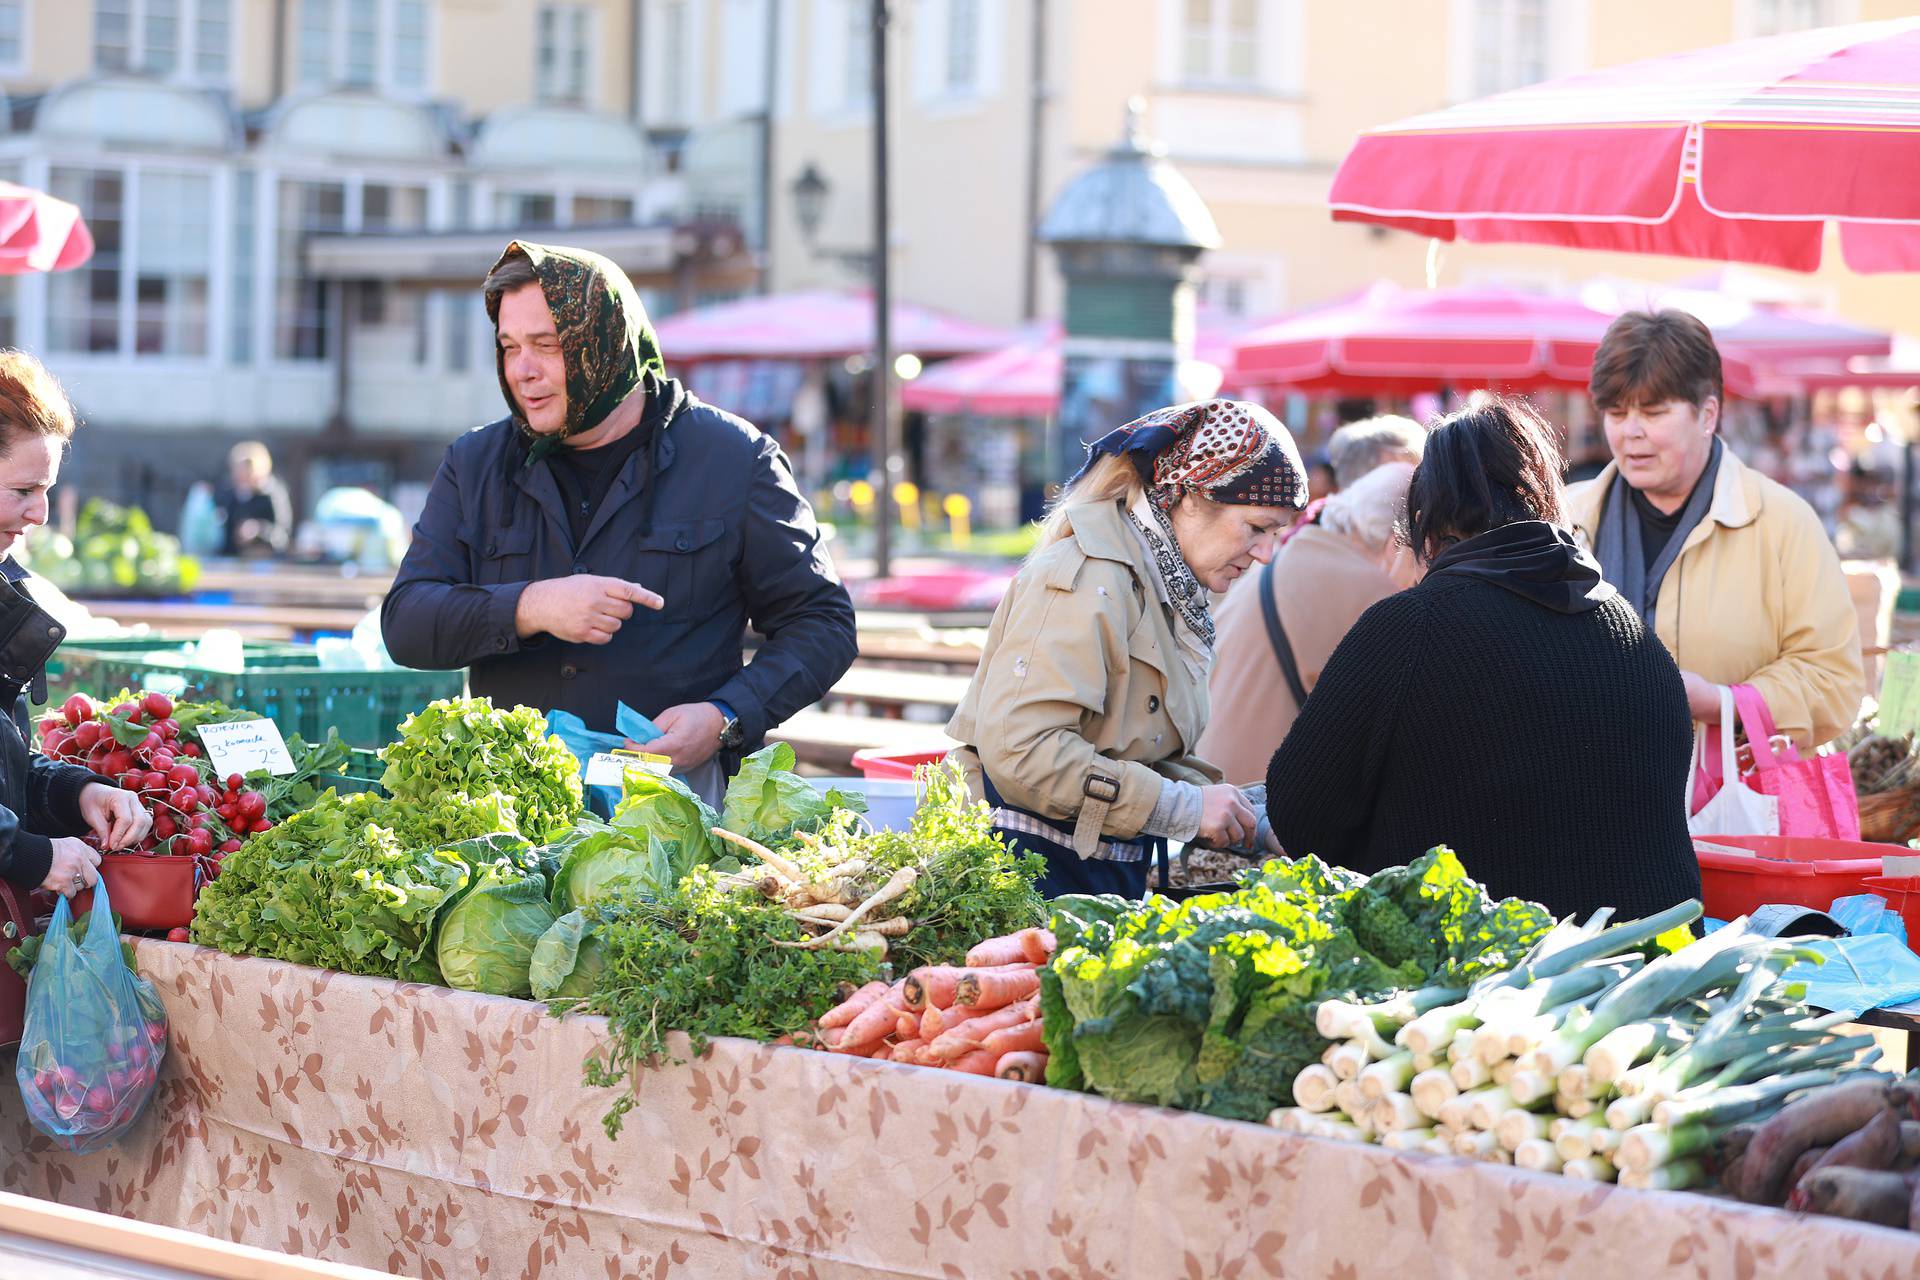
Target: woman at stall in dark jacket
(1512, 706)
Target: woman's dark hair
(1492, 464)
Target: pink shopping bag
(1816, 796)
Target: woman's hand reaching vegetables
(1227, 821)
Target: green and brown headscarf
(605, 336)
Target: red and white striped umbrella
(1395, 341)
(1743, 152)
(40, 233)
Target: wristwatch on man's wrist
(731, 734)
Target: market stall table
(265, 621)
(427, 1131)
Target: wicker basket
(1891, 817)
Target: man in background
(254, 509)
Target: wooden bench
(828, 740)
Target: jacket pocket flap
(1144, 646)
(683, 537)
(493, 544)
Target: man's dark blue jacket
(724, 536)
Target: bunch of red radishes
(139, 744)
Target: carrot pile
(982, 1017)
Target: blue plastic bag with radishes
(95, 1033)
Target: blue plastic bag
(95, 1035)
(585, 743)
(1862, 973)
(1865, 913)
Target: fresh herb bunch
(703, 960)
(469, 745)
(353, 883)
(970, 887)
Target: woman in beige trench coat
(1079, 727)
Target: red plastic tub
(1903, 897)
(881, 764)
(1800, 871)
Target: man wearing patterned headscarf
(1079, 727)
(611, 539)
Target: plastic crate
(84, 665)
(1735, 884)
(881, 764)
(287, 687)
(362, 773)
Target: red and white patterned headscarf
(1229, 450)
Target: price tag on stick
(609, 768)
(246, 746)
(1900, 694)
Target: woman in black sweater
(1511, 706)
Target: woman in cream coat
(1080, 724)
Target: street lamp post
(882, 407)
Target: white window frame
(659, 113)
(829, 64)
(185, 70)
(589, 46)
(386, 34)
(219, 265)
(1217, 75)
(931, 35)
(266, 280)
(19, 67)
(1747, 21)
(1280, 56)
(1566, 43)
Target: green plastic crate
(288, 687)
(90, 653)
(362, 773)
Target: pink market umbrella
(1395, 341)
(821, 325)
(1022, 379)
(1772, 333)
(1743, 153)
(40, 233)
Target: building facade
(1256, 102)
(293, 202)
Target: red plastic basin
(881, 764)
(1785, 869)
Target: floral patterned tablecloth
(437, 1133)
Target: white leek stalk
(1471, 1073)
(1591, 1169)
(1476, 1144)
(1432, 1090)
(1624, 1113)
(1606, 1141)
(1486, 1106)
(1453, 1113)
(1407, 1139)
(1576, 1108)
(1538, 1155)
(1438, 1145)
(1424, 1062)
(1347, 1060)
(1461, 1046)
(1518, 1126)
(1616, 1052)
(1677, 1176)
(1574, 1081)
(1504, 1072)
(1433, 1030)
(1389, 1075)
(1396, 1111)
(1649, 1146)
(1285, 1119)
(1529, 1087)
(1313, 1088)
(1575, 1142)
